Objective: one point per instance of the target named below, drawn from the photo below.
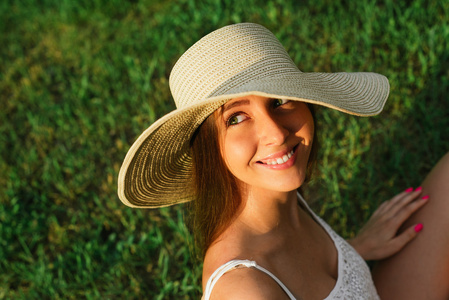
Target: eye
(279, 102)
(235, 119)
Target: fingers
(407, 211)
(402, 206)
(405, 198)
(388, 205)
(397, 203)
(379, 237)
(373, 248)
(406, 237)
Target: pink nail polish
(425, 197)
(418, 227)
(418, 189)
(410, 189)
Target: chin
(288, 187)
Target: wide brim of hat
(157, 170)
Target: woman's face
(266, 142)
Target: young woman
(239, 146)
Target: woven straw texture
(233, 61)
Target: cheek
(237, 153)
(307, 127)
(309, 130)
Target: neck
(267, 211)
(266, 223)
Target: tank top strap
(232, 265)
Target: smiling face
(266, 142)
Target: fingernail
(425, 197)
(418, 189)
(410, 189)
(418, 227)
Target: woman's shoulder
(235, 277)
(247, 283)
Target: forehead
(244, 100)
(235, 102)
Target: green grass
(79, 80)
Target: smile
(280, 160)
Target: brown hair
(217, 194)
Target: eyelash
(227, 122)
(286, 101)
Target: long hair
(217, 194)
(218, 197)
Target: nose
(271, 130)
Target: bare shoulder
(247, 283)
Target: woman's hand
(378, 239)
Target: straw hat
(233, 61)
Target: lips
(278, 158)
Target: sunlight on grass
(80, 80)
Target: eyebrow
(235, 103)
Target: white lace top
(354, 278)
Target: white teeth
(280, 160)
